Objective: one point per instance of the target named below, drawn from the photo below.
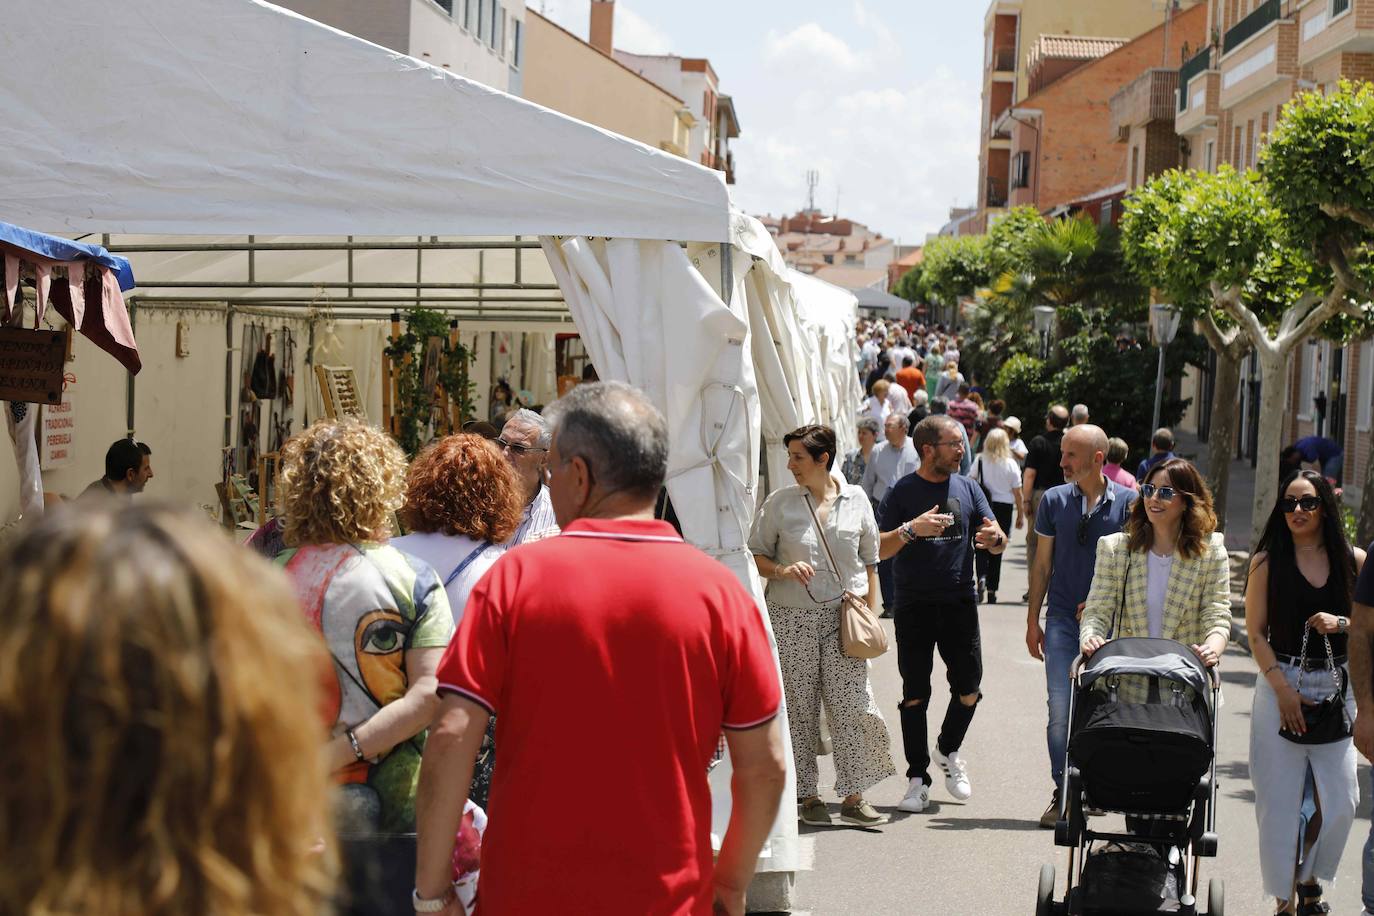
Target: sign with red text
(57, 434)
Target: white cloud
(811, 47)
(899, 156)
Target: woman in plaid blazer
(1169, 564)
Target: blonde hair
(996, 445)
(341, 482)
(881, 388)
(159, 694)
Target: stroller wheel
(1216, 897)
(1044, 896)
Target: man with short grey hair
(893, 459)
(585, 621)
(525, 441)
(1079, 415)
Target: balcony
(996, 192)
(1203, 107)
(1004, 60)
(1335, 26)
(1268, 56)
(1267, 12)
(1194, 67)
(1147, 98)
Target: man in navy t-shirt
(932, 520)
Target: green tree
(909, 285)
(954, 268)
(1320, 165)
(1197, 238)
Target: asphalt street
(984, 855)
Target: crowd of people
(1115, 553)
(394, 677)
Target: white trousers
(1278, 771)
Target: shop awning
(205, 117)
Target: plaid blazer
(1197, 603)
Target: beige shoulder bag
(861, 634)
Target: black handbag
(1327, 721)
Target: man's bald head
(1058, 417)
(1082, 453)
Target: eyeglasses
(1291, 504)
(825, 587)
(957, 443)
(517, 447)
(1165, 494)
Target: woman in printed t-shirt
(804, 594)
(383, 615)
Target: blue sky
(880, 96)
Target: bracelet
(1273, 667)
(436, 905)
(905, 533)
(357, 748)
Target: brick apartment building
(1012, 29)
(1099, 119)
(1231, 94)
(840, 251)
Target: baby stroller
(1142, 741)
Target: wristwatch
(1342, 624)
(435, 905)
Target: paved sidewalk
(984, 856)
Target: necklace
(1310, 546)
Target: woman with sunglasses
(1303, 544)
(1166, 575)
(804, 593)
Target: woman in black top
(1301, 580)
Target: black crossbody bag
(1327, 722)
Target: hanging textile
(250, 408)
(283, 406)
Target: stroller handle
(1213, 674)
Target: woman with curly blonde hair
(383, 615)
(462, 499)
(1167, 574)
(158, 700)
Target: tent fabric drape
(243, 118)
(648, 316)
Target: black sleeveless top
(1295, 601)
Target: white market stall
(246, 126)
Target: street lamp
(1044, 321)
(1163, 326)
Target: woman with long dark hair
(1301, 580)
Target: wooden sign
(31, 365)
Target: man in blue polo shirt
(1071, 519)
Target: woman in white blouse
(804, 593)
(999, 474)
(877, 405)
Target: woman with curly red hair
(462, 499)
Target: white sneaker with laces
(956, 774)
(917, 797)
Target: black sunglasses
(1165, 494)
(1291, 504)
(517, 447)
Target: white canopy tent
(224, 120)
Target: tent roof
(870, 298)
(56, 248)
(230, 117)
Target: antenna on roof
(1169, 7)
(813, 178)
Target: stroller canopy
(1146, 656)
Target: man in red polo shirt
(613, 656)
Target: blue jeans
(1061, 648)
(1367, 884)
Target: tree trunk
(1222, 436)
(1365, 533)
(1274, 387)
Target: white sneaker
(917, 797)
(956, 774)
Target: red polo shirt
(612, 656)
